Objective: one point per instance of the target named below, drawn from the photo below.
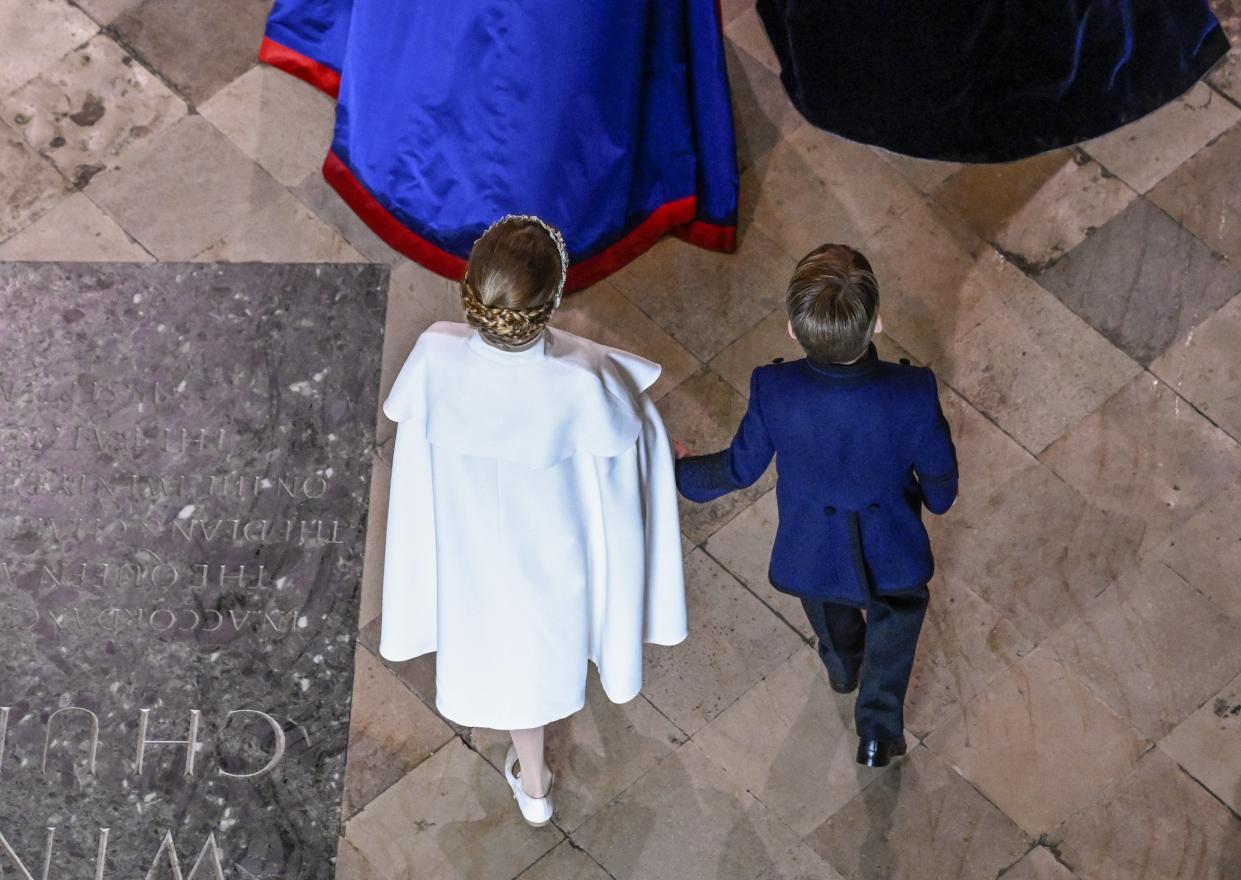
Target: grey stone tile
(315, 194)
(734, 641)
(603, 314)
(800, 862)
(390, 733)
(1208, 744)
(707, 299)
(1203, 367)
(1152, 647)
(1226, 77)
(450, 817)
(745, 30)
(1206, 550)
(90, 107)
(29, 185)
(277, 120)
(1038, 864)
(790, 742)
(685, 820)
(1142, 281)
(1229, 14)
(565, 862)
(596, 753)
(34, 34)
(1037, 743)
(1035, 367)
(105, 11)
(1147, 454)
(1036, 209)
(1034, 549)
(198, 46)
(1156, 823)
(284, 231)
(762, 112)
(1204, 195)
(704, 412)
(203, 184)
(919, 821)
(1146, 151)
(74, 230)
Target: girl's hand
(679, 449)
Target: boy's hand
(679, 449)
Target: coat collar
(477, 344)
(860, 367)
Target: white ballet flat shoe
(536, 811)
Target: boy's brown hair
(511, 281)
(833, 302)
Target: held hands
(679, 449)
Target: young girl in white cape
(532, 517)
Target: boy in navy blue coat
(861, 446)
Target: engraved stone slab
(184, 465)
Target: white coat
(532, 524)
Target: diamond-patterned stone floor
(1076, 706)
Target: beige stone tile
(747, 33)
(1034, 367)
(1039, 208)
(390, 733)
(762, 111)
(1037, 743)
(105, 11)
(29, 185)
(417, 299)
(685, 820)
(1226, 77)
(1206, 550)
(800, 862)
(596, 753)
(418, 674)
(743, 548)
(919, 821)
(1208, 744)
(277, 120)
(790, 742)
(283, 231)
(734, 640)
(204, 187)
(937, 280)
(376, 533)
(452, 816)
(1146, 453)
(704, 412)
(352, 865)
(987, 456)
(565, 862)
(603, 314)
(814, 187)
(1148, 150)
(1038, 864)
(1152, 647)
(90, 107)
(769, 340)
(315, 193)
(199, 47)
(707, 299)
(1034, 549)
(74, 230)
(1204, 195)
(1204, 369)
(35, 34)
(925, 174)
(1156, 823)
(964, 645)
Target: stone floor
(1076, 708)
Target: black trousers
(878, 649)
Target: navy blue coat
(860, 449)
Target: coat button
(874, 505)
(905, 361)
(777, 360)
(829, 510)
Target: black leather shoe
(846, 687)
(879, 752)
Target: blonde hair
(833, 302)
(511, 280)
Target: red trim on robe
(296, 64)
(676, 217)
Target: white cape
(532, 524)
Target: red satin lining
(283, 58)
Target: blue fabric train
(611, 121)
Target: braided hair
(514, 280)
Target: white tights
(529, 746)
